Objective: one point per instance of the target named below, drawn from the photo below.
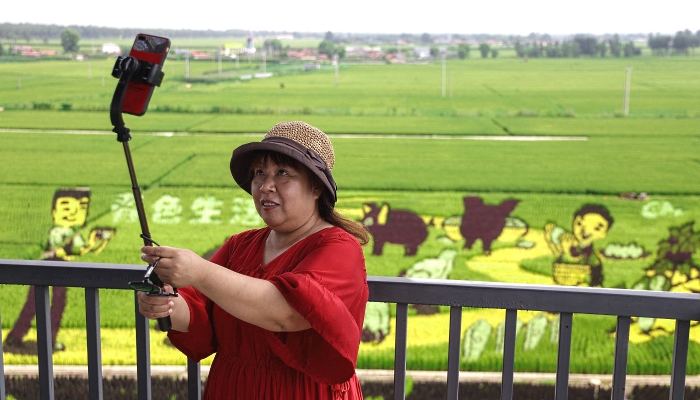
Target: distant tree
(587, 44)
(615, 47)
(570, 49)
(463, 50)
(329, 36)
(629, 50)
(553, 50)
(602, 48)
(273, 45)
(326, 47)
(329, 48)
(426, 38)
(2, 51)
(659, 44)
(494, 53)
(519, 50)
(535, 51)
(484, 48)
(69, 40)
(683, 41)
(434, 51)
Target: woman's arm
(252, 300)
(154, 307)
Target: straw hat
(298, 140)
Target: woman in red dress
(282, 306)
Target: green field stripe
(602, 164)
(637, 127)
(340, 124)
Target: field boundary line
(331, 135)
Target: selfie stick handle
(124, 69)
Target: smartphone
(151, 49)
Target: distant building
(395, 58)
(371, 52)
(234, 49)
(421, 52)
(111, 48)
(200, 55)
(303, 54)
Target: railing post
(143, 354)
(680, 360)
(561, 387)
(44, 343)
(622, 335)
(3, 394)
(509, 336)
(400, 351)
(194, 380)
(454, 352)
(94, 347)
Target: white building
(111, 48)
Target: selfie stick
(127, 69)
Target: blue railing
(566, 301)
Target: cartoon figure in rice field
(65, 243)
(577, 258)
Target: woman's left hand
(177, 267)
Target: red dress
(323, 277)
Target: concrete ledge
(364, 375)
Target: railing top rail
(499, 295)
(550, 298)
(76, 274)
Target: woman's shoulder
(334, 234)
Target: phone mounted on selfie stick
(134, 75)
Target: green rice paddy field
(398, 141)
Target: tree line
(581, 45)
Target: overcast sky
(519, 17)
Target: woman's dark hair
(325, 203)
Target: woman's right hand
(154, 307)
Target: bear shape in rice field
(394, 226)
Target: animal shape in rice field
(377, 323)
(394, 226)
(673, 270)
(431, 268)
(69, 211)
(578, 262)
(484, 221)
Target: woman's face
(283, 195)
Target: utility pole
(187, 65)
(626, 99)
(335, 64)
(450, 84)
(264, 56)
(444, 70)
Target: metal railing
(566, 301)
